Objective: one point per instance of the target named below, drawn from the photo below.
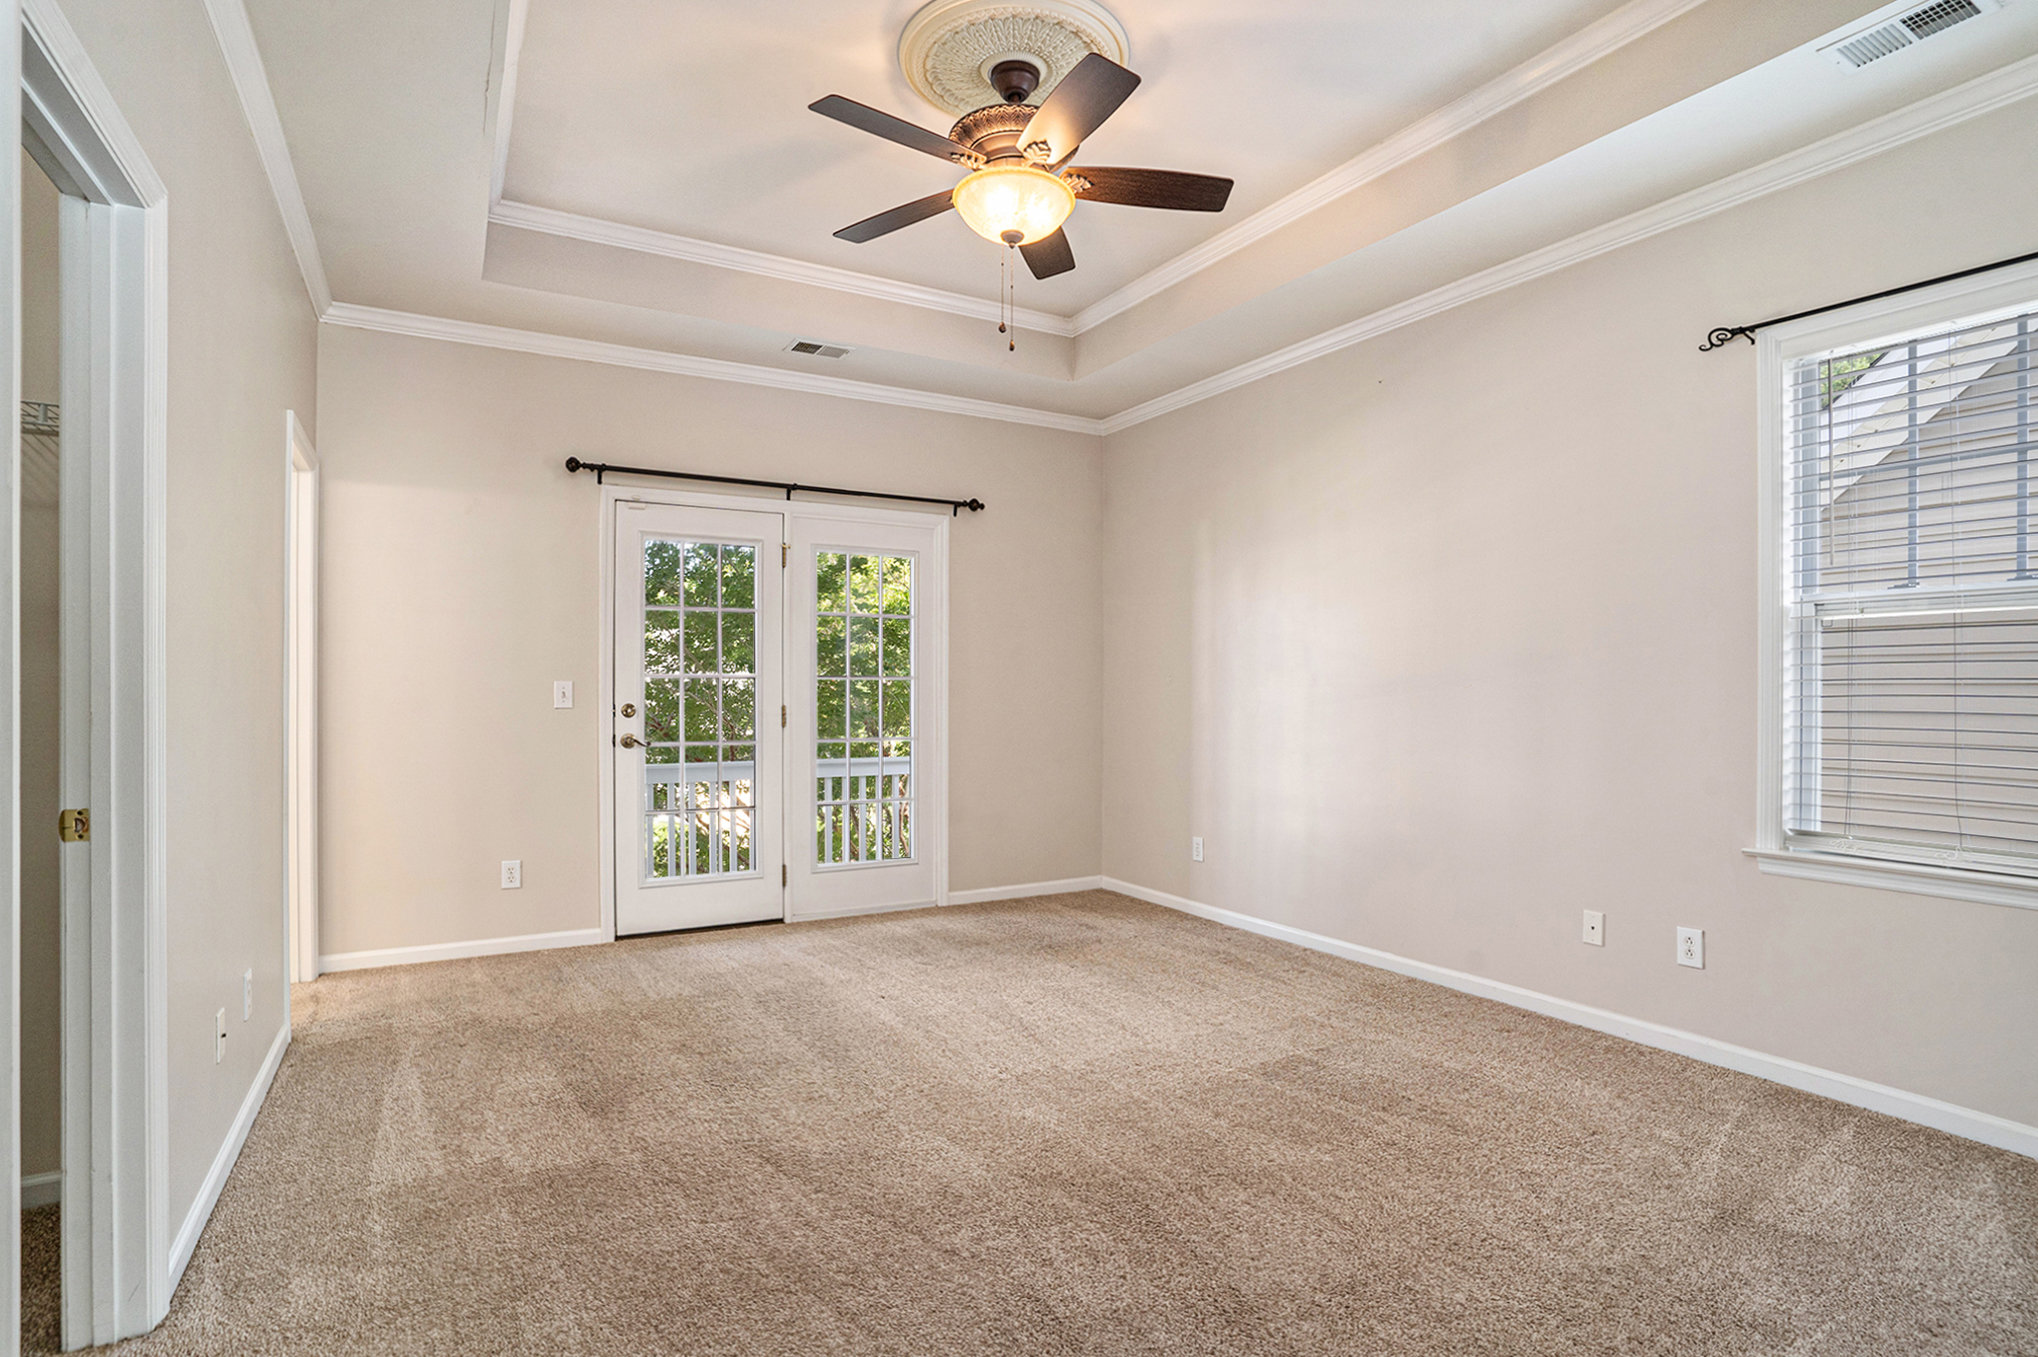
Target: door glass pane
(700, 708)
(863, 784)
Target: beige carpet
(1075, 1125)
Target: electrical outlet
(1691, 948)
(562, 693)
(247, 994)
(1196, 849)
(219, 1037)
(1595, 928)
(512, 874)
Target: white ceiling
(692, 118)
(664, 186)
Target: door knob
(630, 741)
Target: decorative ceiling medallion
(949, 47)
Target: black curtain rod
(1727, 333)
(603, 469)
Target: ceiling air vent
(814, 349)
(1905, 30)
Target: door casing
(300, 695)
(119, 1263)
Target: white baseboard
(986, 894)
(223, 1162)
(1895, 1102)
(41, 1189)
(455, 951)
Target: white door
(699, 683)
(864, 674)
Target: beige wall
(41, 914)
(1445, 637)
(242, 352)
(460, 579)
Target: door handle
(630, 741)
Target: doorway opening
(39, 562)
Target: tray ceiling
(692, 119)
(645, 173)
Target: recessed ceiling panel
(692, 118)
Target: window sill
(1846, 869)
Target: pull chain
(1008, 306)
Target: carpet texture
(41, 1326)
(1071, 1125)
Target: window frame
(1861, 326)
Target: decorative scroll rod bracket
(1725, 334)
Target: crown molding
(1964, 102)
(251, 81)
(688, 365)
(552, 222)
(1538, 73)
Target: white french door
(776, 727)
(866, 599)
(699, 677)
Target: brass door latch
(74, 826)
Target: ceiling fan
(1021, 187)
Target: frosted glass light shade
(1001, 198)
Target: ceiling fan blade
(1153, 188)
(1049, 255)
(867, 119)
(905, 214)
(1078, 106)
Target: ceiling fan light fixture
(1001, 199)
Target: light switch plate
(562, 693)
(1595, 928)
(1691, 948)
(247, 994)
(219, 1037)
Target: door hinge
(74, 826)
(785, 875)
(785, 554)
(781, 718)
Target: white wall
(1440, 639)
(460, 578)
(242, 351)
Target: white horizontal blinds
(1913, 678)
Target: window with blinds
(1911, 672)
